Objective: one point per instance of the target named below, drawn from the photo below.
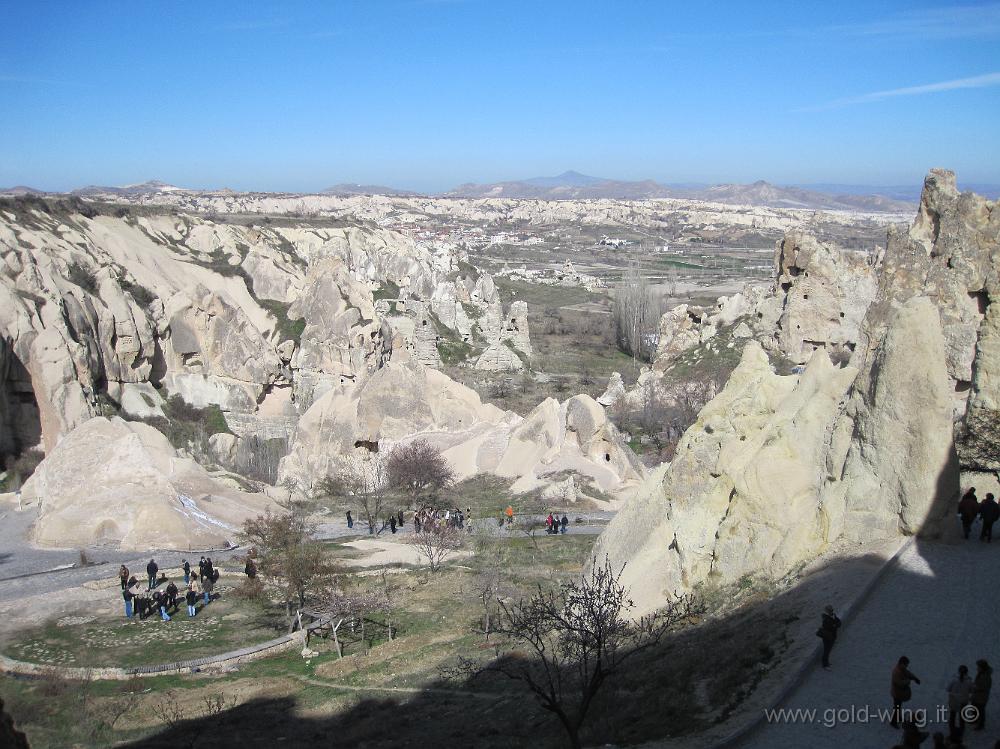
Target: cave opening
(20, 420)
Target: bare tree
(350, 609)
(367, 481)
(633, 313)
(288, 559)
(437, 543)
(578, 638)
(419, 468)
(492, 553)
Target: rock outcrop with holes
(777, 469)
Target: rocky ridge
(777, 469)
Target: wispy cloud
(955, 22)
(979, 81)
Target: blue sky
(426, 94)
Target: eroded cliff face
(777, 469)
(300, 334)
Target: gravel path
(938, 606)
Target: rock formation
(122, 484)
(777, 469)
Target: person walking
(192, 598)
(151, 569)
(900, 689)
(128, 596)
(123, 576)
(392, 524)
(186, 566)
(170, 597)
(968, 508)
(959, 694)
(980, 696)
(350, 520)
(827, 632)
(989, 511)
(564, 524)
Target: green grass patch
(388, 290)
(287, 329)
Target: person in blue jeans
(127, 595)
(187, 571)
(563, 524)
(161, 605)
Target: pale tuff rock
(121, 483)
(613, 392)
(824, 293)
(902, 453)
(499, 358)
(777, 469)
(405, 400)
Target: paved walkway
(938, 606)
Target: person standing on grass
(828, 633)
(989, 512)
(900, 688)
(250, 569)
(968, 508)
(187, 571)
(151, 569)
(123, 576)
(980, 696)
(192, 598)
(510, 515)
(127, 595)
(160, 602)
(959, 694)
(207, 584)
(170, 599)
(563, 524)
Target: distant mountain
(566, 186)
(575, 186)
(151, 187)
(20, 190)
(347, 190)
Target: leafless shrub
(169, 711)
(436, 543)
(576, 640)
(418, 468)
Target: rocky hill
(242, 342)
(777, 468)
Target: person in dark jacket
(160, 603)
(981, 687)
(399, 519)
(828, 633)
(350, 520)
(392, 523)
(192, 599)
(989, 511)
(151, 569)
(900, 688)
(564, 524)
(170, 596)
(123, 575)
(968, 508)
(187, 572)
(250, 569)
